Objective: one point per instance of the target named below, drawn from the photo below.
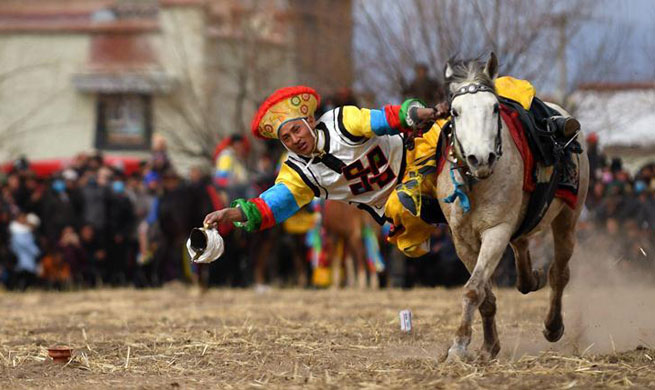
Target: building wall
(57, 120)
(323, 43)
(41, 113)
(181, 45)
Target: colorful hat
(283, 105)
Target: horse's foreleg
(527, 279)
(491, 345)
(493, 244)
(563, 228)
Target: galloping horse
(483, 143)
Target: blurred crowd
(94, 223)
(619, 218)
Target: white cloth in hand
(207, 249)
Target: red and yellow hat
(283, 105)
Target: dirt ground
(177, 338)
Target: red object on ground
(46, 167)
(60, 354)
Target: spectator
(94, 255)
(59, 209)
(55, 271)
(174, 223)
(120, 230)
(423, 87)
(23, 245)
(95, 195)
(72, 254)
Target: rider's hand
(442, 110)
(425, 115)
(225, 215)
(429, 115)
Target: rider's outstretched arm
(289, 194)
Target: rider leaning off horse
(354, 155)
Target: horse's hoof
(554, 335)
(488, 353)
(458, 354)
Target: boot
(563, 126)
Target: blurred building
(108, 74)
(623, 116)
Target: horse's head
(475, 112)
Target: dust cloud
(608, 305)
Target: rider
(349, 154)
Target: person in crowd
(95, 256)
(174, 212)
(95, 195)
(231, 173)
(120, 229)
(73, 255)
(23, 245)
(233, 180)
(60, 208)
(424, 87)
(160, 161)
(55, 272)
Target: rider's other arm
(289, 194)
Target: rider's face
(297, 136)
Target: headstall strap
(455, 145)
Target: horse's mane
(467, 71)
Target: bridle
(456, 146)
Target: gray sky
(631, 20)
(639, 17)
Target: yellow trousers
(411, 233)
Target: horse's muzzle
(481, 168)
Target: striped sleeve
(364, 122)
(275, 205)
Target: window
(124, 121)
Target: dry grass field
(177, 338)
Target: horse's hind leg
(527, 279)
(491, 345)
(563, 227)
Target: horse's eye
(454, 113)
(496, 108)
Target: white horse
(498, 205)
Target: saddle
(554, 173)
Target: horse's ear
(491, 69)
(448, 71)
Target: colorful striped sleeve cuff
(273, 206)
(385, 121)
(364, 122)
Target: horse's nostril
(473, 161)
(492, 158)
